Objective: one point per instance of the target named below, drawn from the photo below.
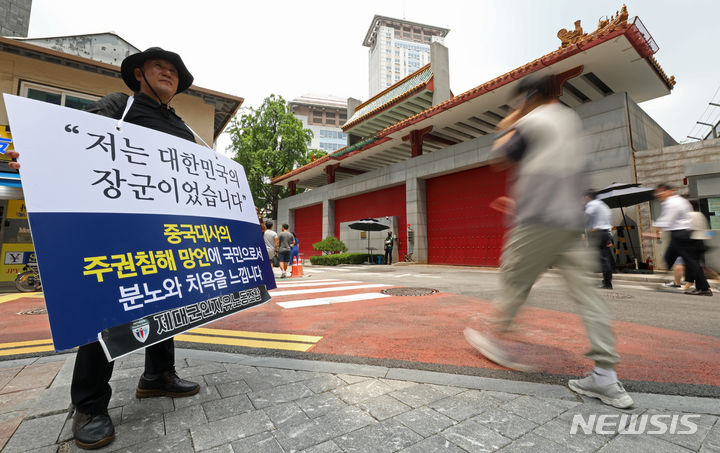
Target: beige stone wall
(14, 69)
(667, 165)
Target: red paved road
(429, 329)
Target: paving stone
(121, 395)
(474, 437)
(321, 429)
(502, 396)
(7, 374)
(137, 431)
(363, 390)
(184, 419)
(51, 401)
(32, 377)
(221, 378)
(352, 379)
(205, 394)
(711, 444)
(36, 433)
(396, 384)
(641, 444)
(8, 425)
(241, 371)
(325, 447)
(227, 407)
(425, 421)
(127, 373)
(141, 408)
(227, 448)
(434, 444)
(64, 377)
(19, 401)
(286, 414)
(175, 442)
(595, 407)
(532, 443)
(505, 423)
(280, 394)
(319, 405)
(565, 403)
(389, 435)
(324, 383)
(232, 388)
(465, 405)
(230, 429)
(259, 443)
(383, 407)
(692, 441)
(192, 372)
(559, 431)
(421, 394)
(533, 409)
(132, 361)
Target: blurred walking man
(541, 139)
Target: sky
(253, 49)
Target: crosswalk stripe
(12, 297)
(330, 300)
(292, 292)
(312, 283)
(305, 282)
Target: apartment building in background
(323, 115)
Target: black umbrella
(368, 225)
(620, 195)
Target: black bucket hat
(127, 68)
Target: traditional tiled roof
(404, 88)
(611, 30)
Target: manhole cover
(616, 295)
(409, 291)
(34, 311)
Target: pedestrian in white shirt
(599, 233)
(675, 218)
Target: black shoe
(165, 384)
(699, 292)
(605, 286)
(92, 431)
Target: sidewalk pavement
(267, 404)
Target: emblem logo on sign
(141, 330)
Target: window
(57, 96)
(329, 115)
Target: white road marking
(276, 293)
(313, 283)
(331, 300)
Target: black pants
(90, 389)
(388, 256)
(601, 240)
(682, 245)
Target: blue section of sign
(116, 268)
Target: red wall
(462, 229)
(308, 228)
(381, 203)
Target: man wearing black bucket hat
(155, 76)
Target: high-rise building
(397, 49)
(15, 17)
(323, 115)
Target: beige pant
(529, 251)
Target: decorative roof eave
(588, 41)
(425, 81)
(669, 81)
(304, 168)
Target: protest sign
(129, 223)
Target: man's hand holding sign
(169, 236)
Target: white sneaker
(613, 394)
(494, 349)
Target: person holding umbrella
(675, 218)
(598, 226)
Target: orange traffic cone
(297, 270)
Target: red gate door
(462, 228)
(308, 228)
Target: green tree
(268, 142)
